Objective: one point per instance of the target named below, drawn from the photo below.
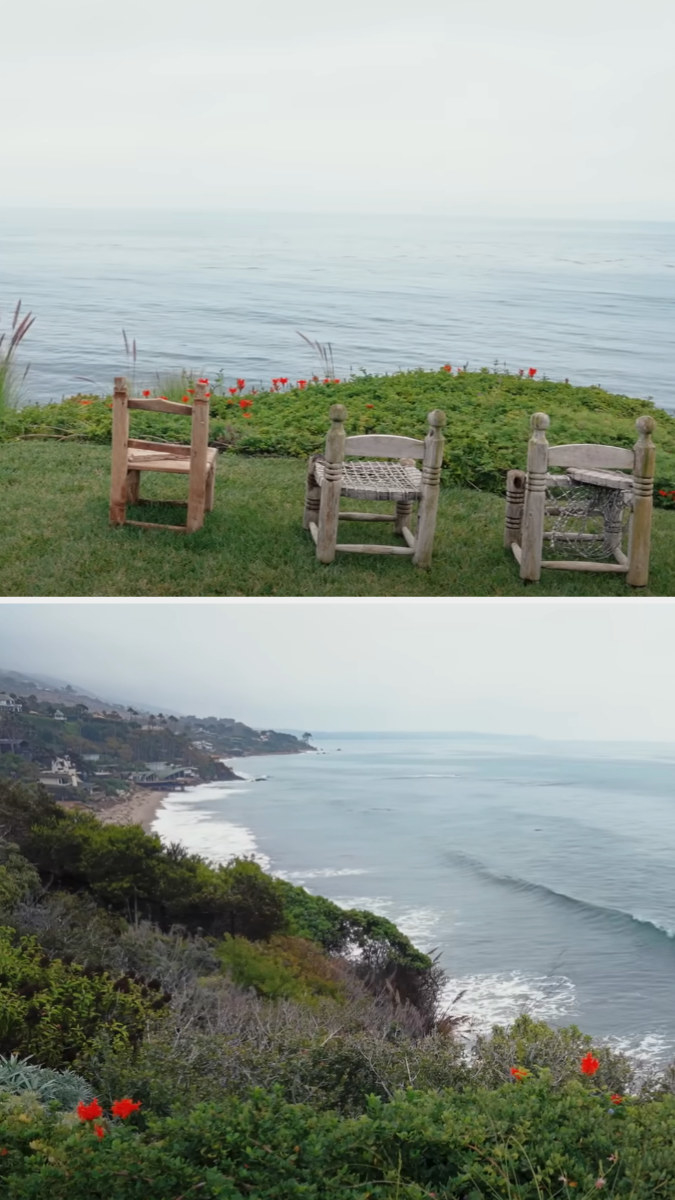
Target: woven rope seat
(376, 480)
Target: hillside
(111, 748)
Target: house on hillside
(8, 704)
(15, 746)
(166, 776)
(58, 715)
(62, 777)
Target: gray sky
(560, 670)
(478, 106)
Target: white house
(62, 775)
(9, 704)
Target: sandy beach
(138, 808)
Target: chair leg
(118, 496)
(329, 513)
(312, 496)
(515, 496)
(133, 486)
(211, 488)
(402, 515)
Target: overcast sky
(497, 106)
(556, 670)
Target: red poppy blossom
(284, 380)
(85, 401)
(248, 415)
(616, 1099)
(241, 384)
(4, 1150)
(447, 367)
(336, 381)
(232, 391)
(99, 1131)
(370, 405)
(146, 393)
(302, 383)
(519, 1072)
(186, 399)
(243, 403)
(589, 1064)
(661, 493)
(202, 381)
(123, 1108)
(326, 381)
(532, 372)
(89, 1112)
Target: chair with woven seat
(329, 477)
(130, 456)
(604, 493)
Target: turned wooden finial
(645, 426)
(539, 421)
(436, 419)
(200, 392)
(338, 413)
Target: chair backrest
(383, 445)
(198, 411)
(589, 455)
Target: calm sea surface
(544, 873)
(228, 292)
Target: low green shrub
(66, 1088)
(55, 1011)
(524, 1141)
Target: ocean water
(229, 292)
(542, 872)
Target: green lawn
(56, 540)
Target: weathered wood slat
(156, 404)
(376, 549)
(383, 445)
(590, 454)
(562, 565)
(409, 536)
(173, 447)
(357, 516)
(156, 525)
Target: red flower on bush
(123, 1108)
(616, 1099)
(186, 399)
(232, 391)
(89, 1112)
(532, 372)
(589, 1064)
(99, 1131)
(336, 381)
(202, 381)
(146, 393)
(447, 367)
(519, 1072)
(245, 403)
(302, 383)
(370, 405)
(85, 401)
(241, 384)
(4, 1150)
(248, 415)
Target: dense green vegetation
(253, 543)
(169, 1028)
(488, 419)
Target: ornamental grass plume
(9, 386)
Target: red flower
(447, 367)
(326, 380)
(207, 395)
(616, 1099)
(232, 391)
(186, 399)
(302, 383)
(336, 381)
(532, 372)
(85, 401)
(99, 1131)
(589, 1064)
(243, 403)
(241, 384)
(89, 1112)
(123, 1108)
(202, 381)
(191, 391)
(370, 405)
(248, 415)
(146, 393)
(284, 380)
(663, 493)
(519, 1072)
(4, 1150)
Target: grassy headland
(55, 479)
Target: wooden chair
(598, 475)
(329, 477)
(131, 456)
